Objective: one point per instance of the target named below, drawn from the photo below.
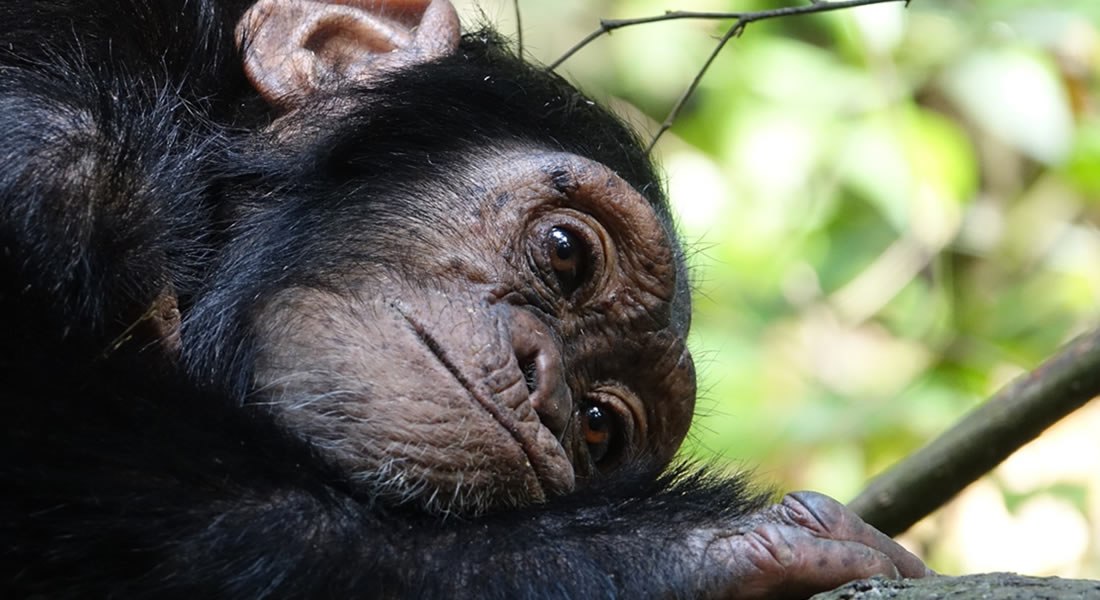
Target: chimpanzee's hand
(806, 544)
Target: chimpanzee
(322, 298)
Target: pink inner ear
(341, 39)
(408, 13)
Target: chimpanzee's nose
(537, 353)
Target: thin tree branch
(519, 30)
(609, 25)
(735, 30)
(741, 21)
(1014, 416)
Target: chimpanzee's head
(450, 272)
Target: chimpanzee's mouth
(538, 459)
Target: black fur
(130, 164)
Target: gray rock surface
(985, 586)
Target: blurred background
(891, 212)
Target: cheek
(437, 450)
(673, 407)
(374, 397)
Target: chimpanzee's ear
(295, 48)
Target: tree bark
(986, 586)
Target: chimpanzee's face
(507, 336)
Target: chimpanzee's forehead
(483, 95)
(426, 122)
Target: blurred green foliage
(890, 212)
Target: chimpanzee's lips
(545, 455)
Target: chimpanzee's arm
(217, 505)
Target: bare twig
(741, 21)
(519, 30)
(609, 25)
(735, 30)
(1014, 416)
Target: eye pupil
(567, 255)
(564, 245)
(596, 426)
(597, 421)
(603, 432)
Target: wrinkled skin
(350, 308)
(509, 362)
(805, 544)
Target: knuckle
(768, 549)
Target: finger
(834, 520)
(783, 561)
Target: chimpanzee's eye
(568, 259)
(597, 424)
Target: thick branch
(1014, 416)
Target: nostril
(539, 360)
